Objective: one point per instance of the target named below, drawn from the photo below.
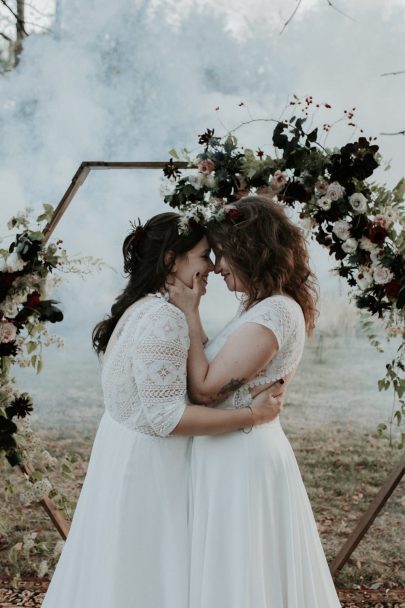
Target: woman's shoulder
(162, 318)
(280, 313)
(276, 302)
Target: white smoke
(127, 80)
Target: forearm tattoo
(232, 386)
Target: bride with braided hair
(128, 543)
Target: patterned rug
(30, 592)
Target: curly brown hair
(268, 252)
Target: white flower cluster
(35, 491)
(198, 180)
(202, 214)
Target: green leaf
(31, 346)
(174, 154)
(39, 365)
(397, 417)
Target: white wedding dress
(254, 540)
(128, 546)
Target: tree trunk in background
(20, 31)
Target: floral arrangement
(359, 221)
(26, 277)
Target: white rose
(7, 332)
(196, 180)
(167, 186)
(342, 229)
(14, 262)
(382, 275)
(367, 245)
(358, 202)
(209, 180)
(324, 203)
(364, 278)
(335, 191)
(9, 308)
(375, 257)
(349, 246)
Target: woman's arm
(200, 420)
(247, 351)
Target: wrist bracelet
(243, 430)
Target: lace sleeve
(275, 314)
(159, 361)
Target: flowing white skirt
(128, 546)
(254, 540)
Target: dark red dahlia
(33, 300)
(392, 288)
(234, 214)
(377, 234)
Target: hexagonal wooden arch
(57, 518)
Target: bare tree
(15, 27)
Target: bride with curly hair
(254, 540)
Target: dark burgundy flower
(376, 233)
(8, 349)
(392, 288)
(20, 407)
(33, 300)
(205, 138)
(7, 426)
(7, 442)
(234, 214)
(171, 170)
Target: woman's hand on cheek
(184, 297)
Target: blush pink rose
(206, 166)
(321, 186)
(279, 180)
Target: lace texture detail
(144, 375)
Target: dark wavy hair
(268, 253)
(144, 261)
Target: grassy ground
(342, 469)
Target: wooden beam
(80, 177)
(367, 519)
(60, 523)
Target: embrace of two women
(193, 497)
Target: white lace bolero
(285, 318)
(144, 371)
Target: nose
(211, 266)
(217, 265)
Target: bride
(128, 543)
(254, 541)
